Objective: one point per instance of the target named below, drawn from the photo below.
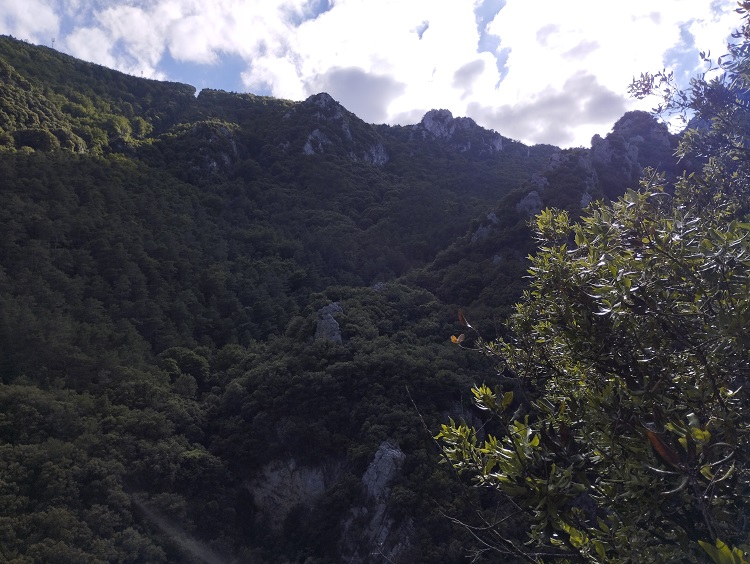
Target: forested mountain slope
(213, 307)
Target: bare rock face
(484, 230)
(337, 131)
(325, 101)
(376, 154)
(440, 123)
(370, 534)
(284, 485)
(637, 140)
(316, 143)
(382, 470)
(462, 133)
(327, 328)
(530, 204)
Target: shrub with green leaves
(623, 424)
(629, 431)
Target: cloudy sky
(542, 71)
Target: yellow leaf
(701, 436)
(723, 554)
(507, 400)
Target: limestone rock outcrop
(327, 328)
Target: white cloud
(392, 60)
(124, 46)
(136, 30)
(369, 95)
(92, 44)
(32, 20)
(278, 76)
(383, 39)
(566, 115)
(552, 41)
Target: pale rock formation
(327, 328)
(530, 204)
(370, 535)
(284, 485)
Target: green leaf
(723, 554)
(506, 401)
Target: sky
(541, 71)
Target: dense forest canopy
(225, 318)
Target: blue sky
(542, 71)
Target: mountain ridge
(219, 312)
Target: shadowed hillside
(213, 308)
